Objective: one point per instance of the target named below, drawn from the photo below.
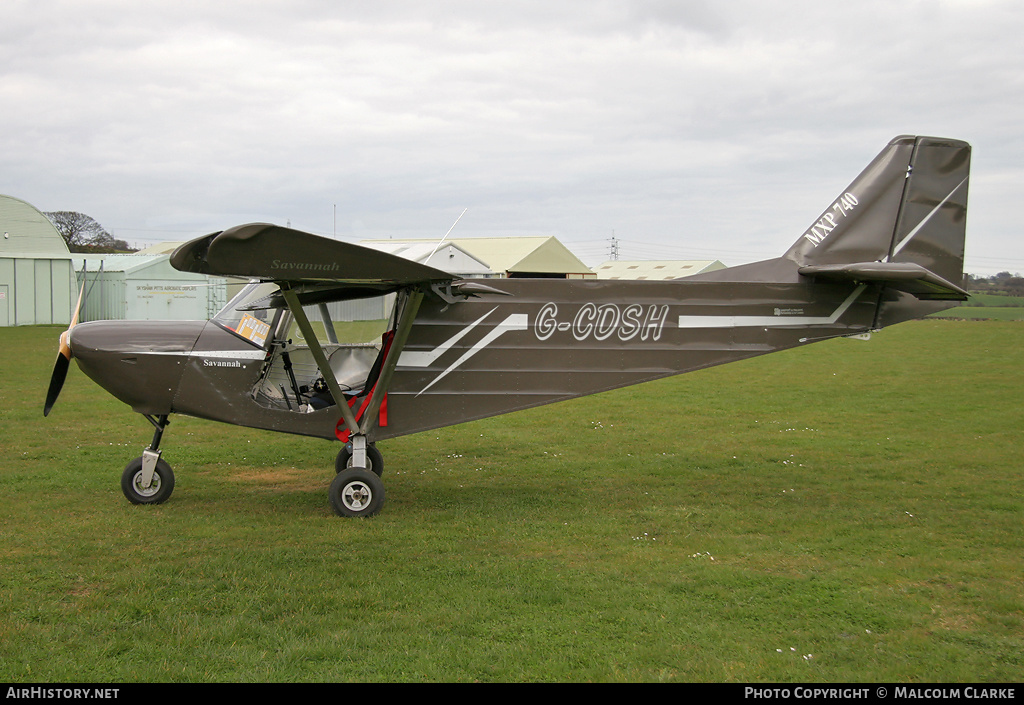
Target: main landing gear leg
(149, 479)
(346, 459)
(357, 490)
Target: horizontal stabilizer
(903, 276)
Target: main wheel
(159, 489)
(356, 493)
(374, 459)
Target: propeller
(64, 355)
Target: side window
(351, 322)
(350, 333)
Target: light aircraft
(889, 248)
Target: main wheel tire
(356, 493)
(159, 489)
(374, 459)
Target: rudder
(932, 224)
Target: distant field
(846, 512)
(987, 307)
(996, 300)
(983, 313)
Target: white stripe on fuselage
(427, 358)
(769, 321)
(515, 321)
(214, 354)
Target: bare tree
(83, 234)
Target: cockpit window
(353, 335)
(246, 317)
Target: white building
(536, 257)
(655, 269)
(448, 257)
(145, 287)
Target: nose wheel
(149, 479)
(141, 487)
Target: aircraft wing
(273, 253)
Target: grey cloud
(697, 125)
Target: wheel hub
(154, 485)
(356, 496)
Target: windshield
(243, 315)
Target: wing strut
(411, 308)
(321, 359)
(356, 430)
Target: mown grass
(982, 313)
(987, 307)
(996, 300)
(845, 512)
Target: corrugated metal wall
(36, 291)
(118, 296)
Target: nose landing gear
(148, 479)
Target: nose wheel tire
(159, 489)
(356, 492)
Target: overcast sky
(685, 129)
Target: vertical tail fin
(902, 222)
(859, 225)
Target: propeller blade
(60, 373)
(60, 367)
(78, 306)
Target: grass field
(996, 300)
(983, 313)
(845, 512)
(987, 307)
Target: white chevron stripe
(769, 321)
